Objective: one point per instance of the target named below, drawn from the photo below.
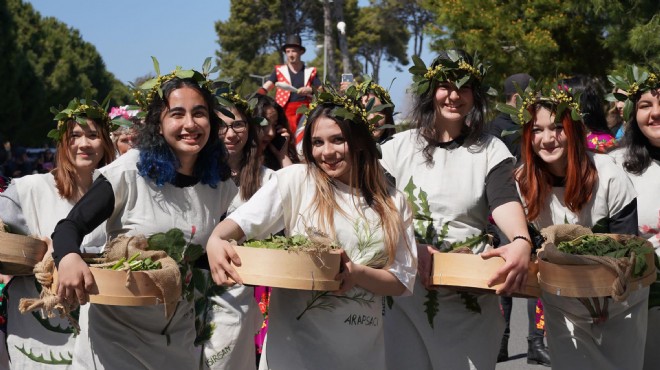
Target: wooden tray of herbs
(115, 288)
(471, 273)
(19, 253)
(596, 280)
(289, 262)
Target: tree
(416, 16)
(251, 38)
(50, 64)
(379, 34)
(546, 38)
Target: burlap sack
(167, 279)
(622, 267)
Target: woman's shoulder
(606, 166)
(33, 181)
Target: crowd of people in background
(329, 158)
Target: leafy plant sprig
(79, 110)
(633, 82)
(560, 96)
(455, 69)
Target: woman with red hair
(561, 182)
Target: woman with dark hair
(592, 106)
(235, 317)
(561, 182)
(275, 139)
(177, 178)
(640, 159)
(455, 175)
(341, 192)
(32, 205)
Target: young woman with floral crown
(177, 178)
(455, 175)
(235, 318)
(340, 191)
(33, 205)
(640, 159)
(275, 138)
(561, 182)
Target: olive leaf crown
(634, 82)
(227, 97)
(455, 69)
(348, 106)
(560, 96)
(80, 110)
(368, 86)
(145, 93)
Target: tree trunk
(328, 44)
(343, 45)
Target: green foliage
(293, 243)
(48, 361)
(471, 302)
(603, 245)
(548, 38)
(44, 64)
(431, 305)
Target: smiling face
(85, 146)
(125, 141)
(185, 125)
(330, 149)
(452, 104)
(234, 132)
(549, 141)
(267, 133)
(293, 54)
(648, 116)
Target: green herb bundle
(605, 246)
(133, 264)
(298, 243)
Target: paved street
(518, 340)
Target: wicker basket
(288, 269)
(19, 254)
(470, 272)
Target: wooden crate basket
(112, 289)
(288, 269)
(470, 272)
(19, 254)
(584, 281)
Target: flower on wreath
(560, 96)
(80, 110)
(348, 105)
(145, 93)
(634, 82)
(455, 69)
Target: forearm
(227, 230)
(510, 218)
(378, 281)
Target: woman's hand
(425, 254)
(348, 274)
(221, 255)
(514, 272)
(282, 154)
(75, 280)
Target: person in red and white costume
(295, 74)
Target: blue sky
(127, 33)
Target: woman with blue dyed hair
(177, 178)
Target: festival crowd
(325, 161)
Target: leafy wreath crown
(558, 95)
(368, 86)
(455, 69)
(634, 82)
(80, 110)
(348, 106)
(145, 93)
